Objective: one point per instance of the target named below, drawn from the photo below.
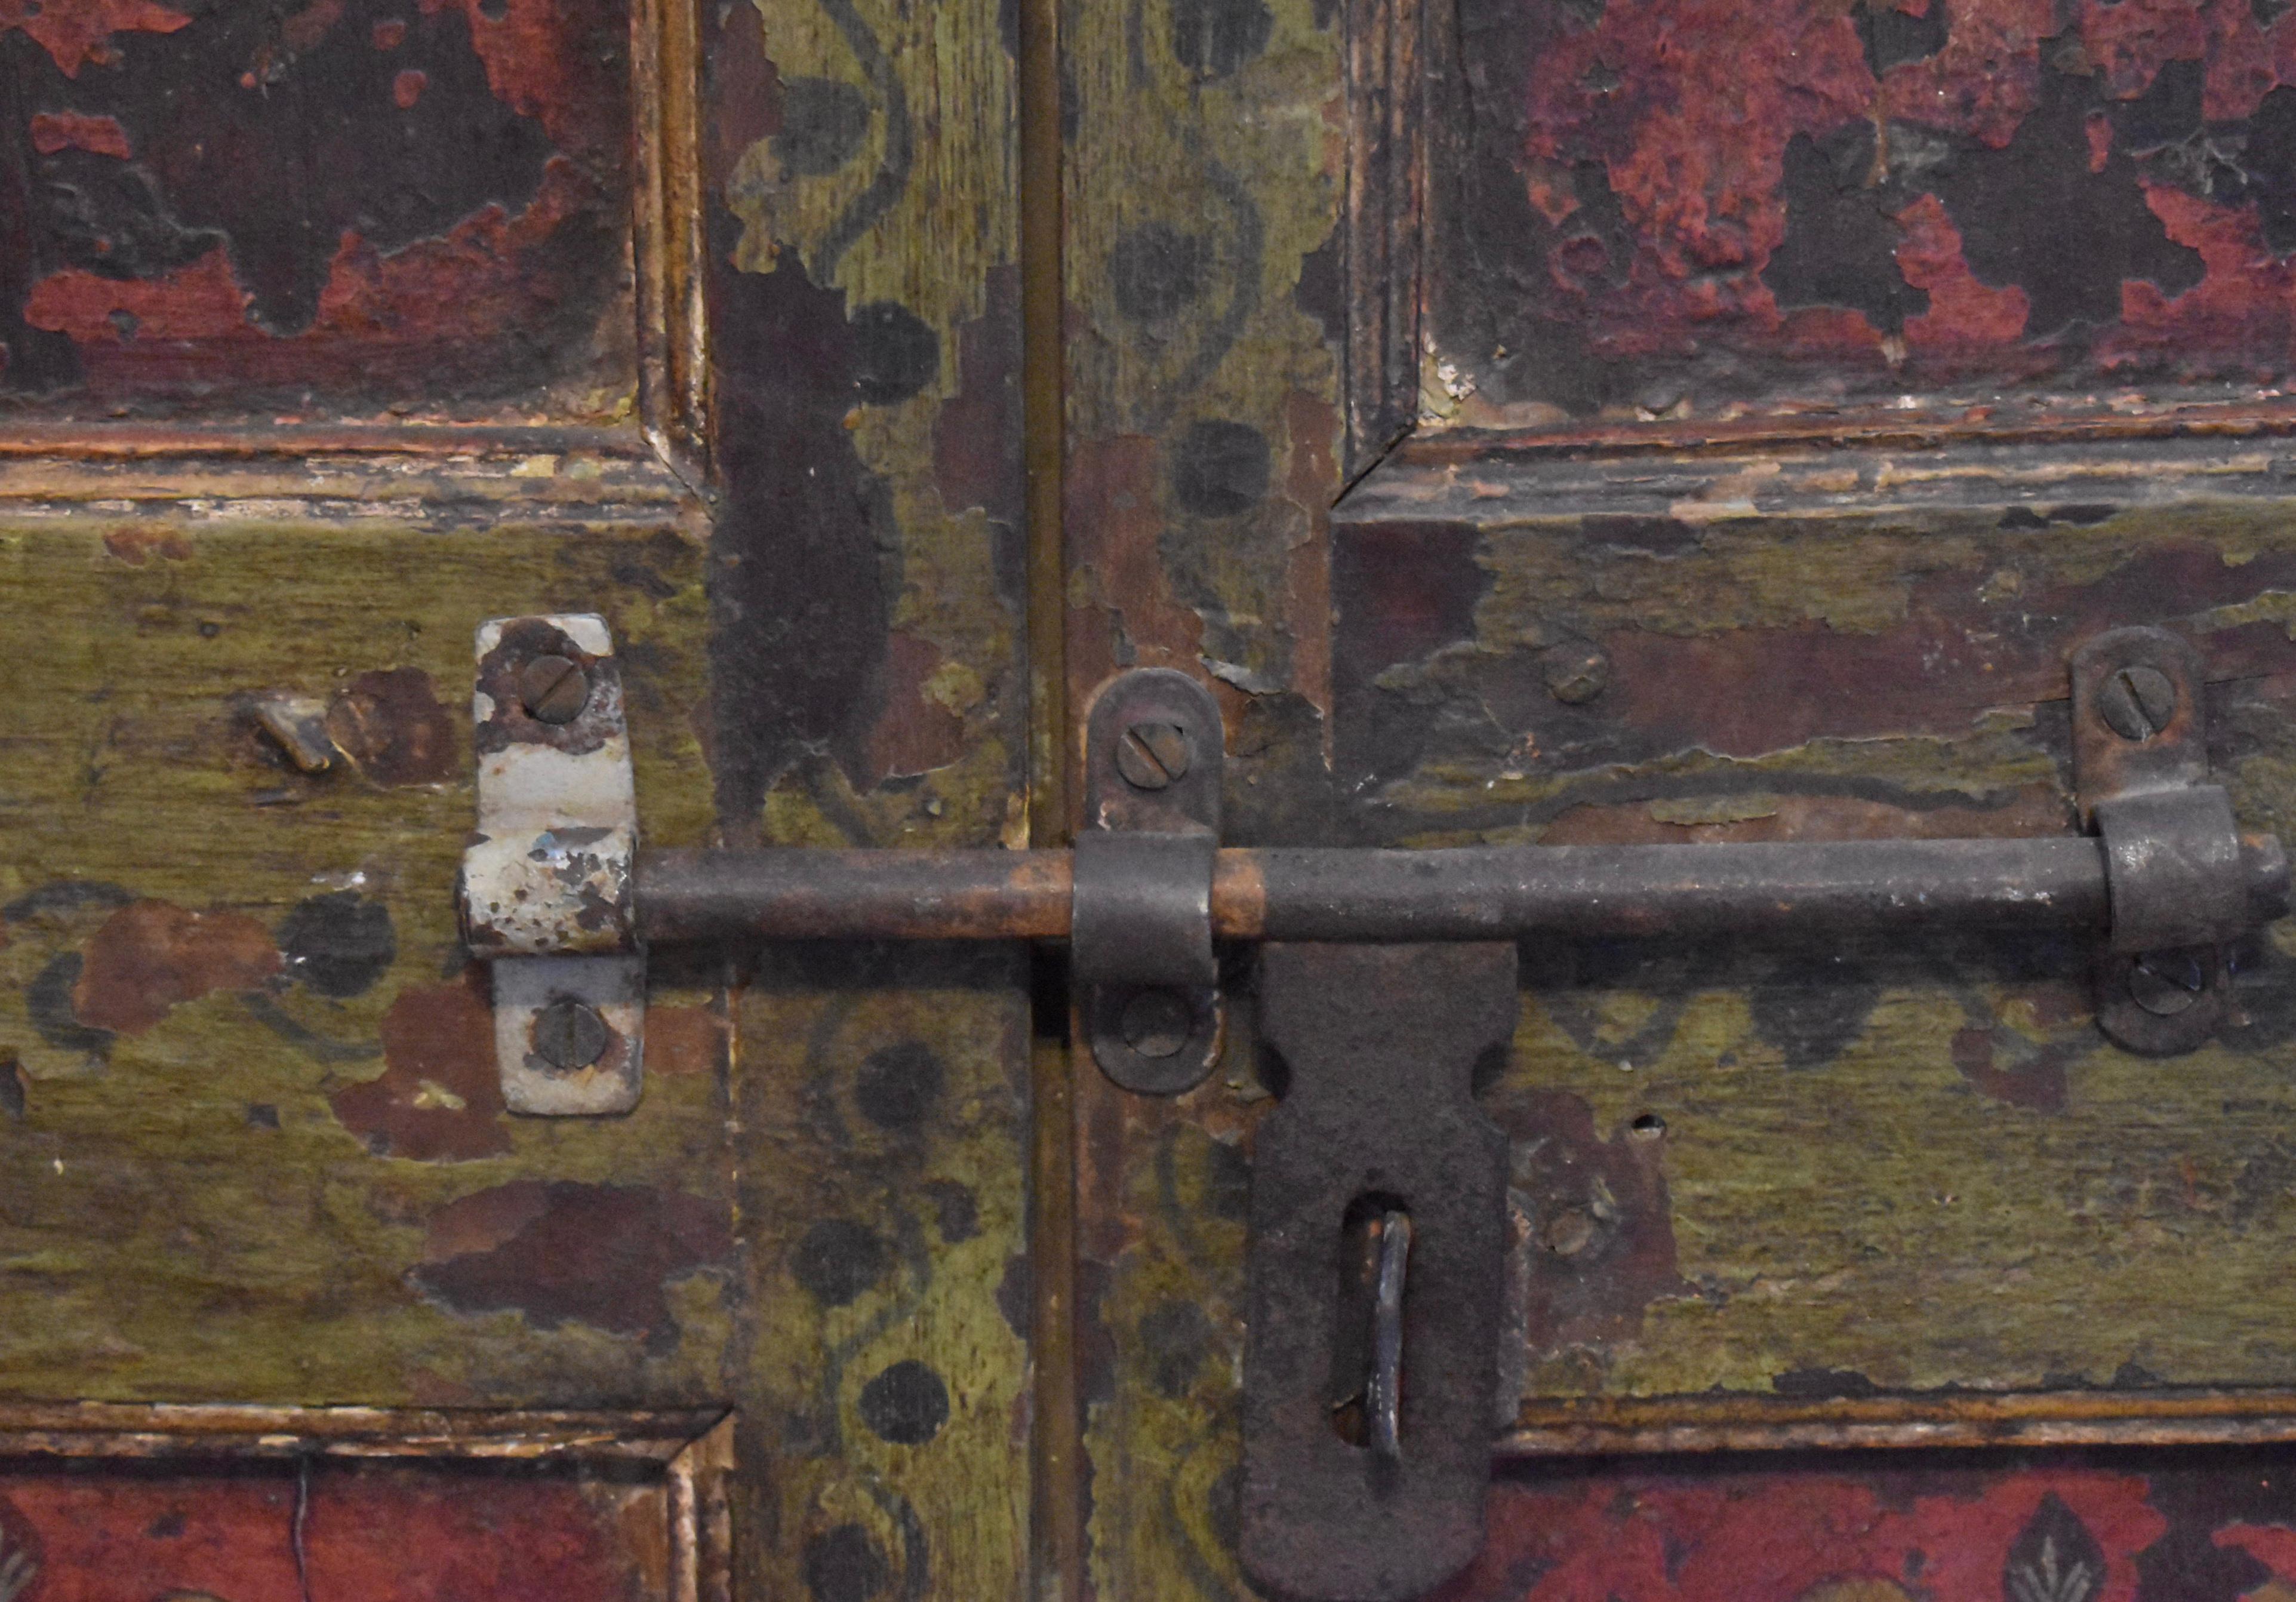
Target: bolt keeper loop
(2173, 869)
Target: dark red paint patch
(977, 433)
(438, 1098)
(1808, 204)
(1601, 1246)
(559, 1251)
(389, 722)
(348, 205)
(800, 581)
(153, 956)
(915, 733)
(378, 1533)
(53, 131)
(137, 543)
(2011, 1068)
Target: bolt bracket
(546, 893)
(1141, 920)
(2180, 877)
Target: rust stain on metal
(153, 956)
(558, 1251)
(438, 1098)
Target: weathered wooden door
(1536, 420)
(1650, 421)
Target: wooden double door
(1536, 420)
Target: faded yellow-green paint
(1204, 187)
(883, 1219)
(882, 1101)
(158, 1239)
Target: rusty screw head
(1576, 673)
(2136, 702)
(2165, 984)
(1156, 1023)
(1151, 756)
(553, 690)
(570, 1035)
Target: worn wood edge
(701, 1517)
(1858, 480)
(547, 484)
(1384, 221)
(1688, 1424)
(1904, 429)
(169, 1430)
(665, 234)
(149, 442)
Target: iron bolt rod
(1466, 893)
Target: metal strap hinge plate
(546, 884)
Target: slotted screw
(1156, 1023)
(2164, 983)
(569, 1035)
(2136, 702)
(553, 690)
(1576, 674)
(1152, 756)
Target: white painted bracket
(546, 889)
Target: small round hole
(1649, 1126)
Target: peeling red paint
(74, 32)
(53, 131)
(382, 1533)
(366, 282)
(153, 956)
(438, 1098)
(1627, 237)
(558, 1251)
(434, 311)
(1815, 1533)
